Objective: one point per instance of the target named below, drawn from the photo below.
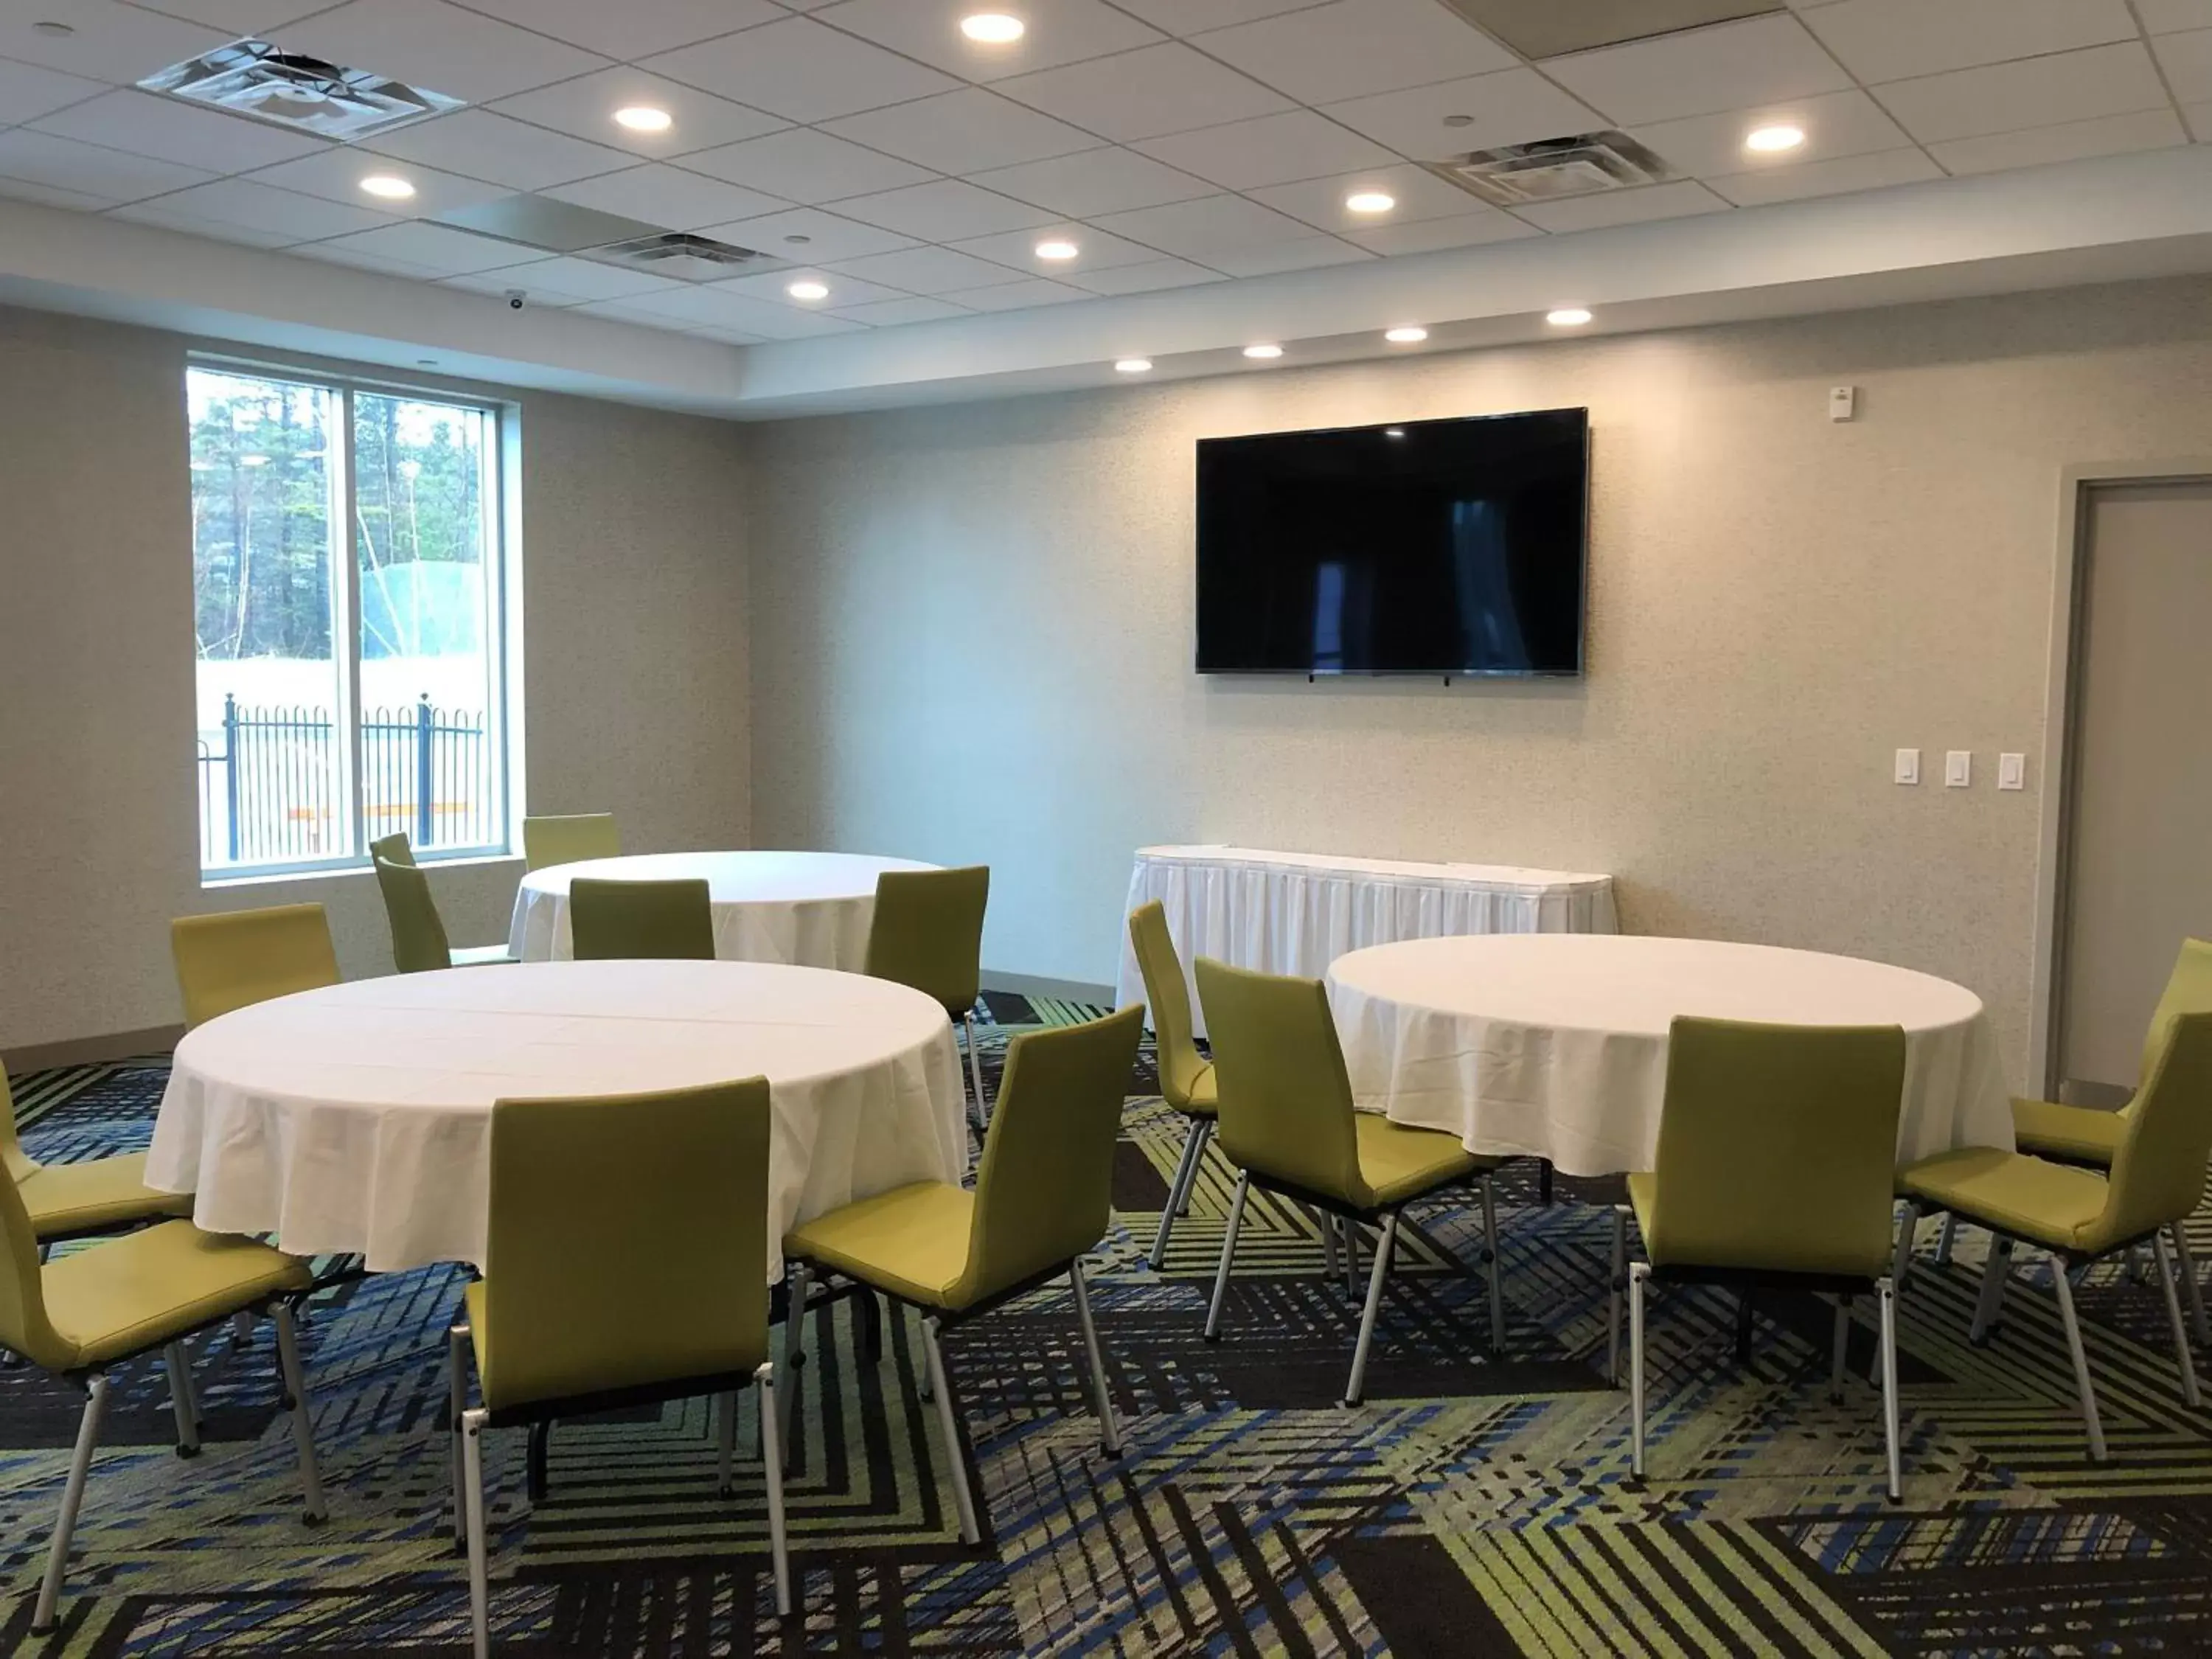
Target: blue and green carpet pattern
(1479, 1503)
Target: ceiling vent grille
(1515, 175)
(679, 254)
(252, 78)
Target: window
(349, 585)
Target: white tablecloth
(1296, 912)
(1556, 1046)
(357, 1119)
(809, 909)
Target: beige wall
(635, 643)
(973, 633)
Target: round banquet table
(356, 1119)
(810, 910)
(1555, 1044)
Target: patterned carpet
(1478, 1504)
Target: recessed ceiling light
(1133, 366)
(1058, 248)
(1371, 200)
(806, 287)
(1263, 352)
(389, 185)
(1393, 431)
(1567, 317)
(796, 239)
(1406, 336)
(643, 118)
(1770, 141)
(992, 28)
(1459, 120)
(56, 31)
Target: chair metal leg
(2188, 1391)
(182, 1406)
(1613, 1296)
(241, 1327)
(1637, 1272)
(1905, 1229)
(1177, 1191)
(457, 1345)
(975, 1073)
(726, 1445)
(1109, 1427)
(1995, 1274)
(1944, 1238)
(2186, 1264)
(1840, 1349)
(473, 1504)
(1385, 1242)
(1202, 1131)
(779, 1545)
(948, 1419)
(303, 1413)
(1492, 1248)
(1350, 1256)
(794, 1321)
(1891, 1429)
(88, 1437)
(1325, 1223)
(2064, 1288)
(1228, 1255)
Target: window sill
(340, 871)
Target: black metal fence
(272, 795)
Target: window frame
(500, 461)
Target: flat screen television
(1429, 547)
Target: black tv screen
(1431, 547)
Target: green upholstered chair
(394, 847)
(1777, 1163)
(1186, 1075)
(928, 932)
(1289, 1125)
(418, 932)
(1043, 1198)
(239, 957)
(626, 1263)
(570, 839)
(669, 920)
(76, 1201)
(2077, 1215)
(139, 1294)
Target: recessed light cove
(1567, 317)
(1371, 200)
(1773, 140)
(992, 28)
(1406, 336)
(1057, 247)
(807, 288)
(644, 118)
(1133, 366)
(389, 185)
(1263, 353)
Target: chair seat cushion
(1398, 1163)
(1203, 1099)
(2074, 1135)
(134, 1292)
(910, 1243)
(479, 956)
(86, 1198)
(2031, 1198)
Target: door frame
(2061, 715)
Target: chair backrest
(239, 957)
(628, 1241)
(1169, 998)
(12, 1157)
(1777, 1147)
(668, 919)
(1044, 1188)
(2158, 1172)
(24, 1327)
(419, 944)
(393, 848)
(569, 840)
(927, 932)
(1279, 1071)
(2188, 991)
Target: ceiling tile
(41, 158)
(1306, 254)
(844, 291)
(2199, 117)
(805, 164)
(1197, 230)
(801, 70)
(27, 92)
(1834, 123)
(2187, 61)
(714, 306)
(635, 27)
(1060, 32)
(483, 145)
(237, 17)
(540, 295)
(1096, 250)
(826, 236)
(667, 196)
(1017, 296)
(1758, 60)
(2068, 86)
(2167, 16)
(1471, 229)
(429, 43)
(1513, 106)
(112, 42)
(283, 213)
(336, 175)
(1353, 48)
(1833, 177)
(576, 280)
(585, 107)
(1196, 16)
(2109, 135)
(23, 190)
(1624, 207)
(891, 313)
(157, 212)
(926, 271)
(1094, 181)
(433, 247)
(963, 131)
(1149, 277)
(173, 131)
(1419, 193)
(944, 211)
(337, 253)
(1142, 93)
(1273, 149)
(1891, 39)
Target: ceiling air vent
(679, 254)
(1514, 175)
(252, 78)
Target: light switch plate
(1908, 766)
(2012, 771)
(1959, 768)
